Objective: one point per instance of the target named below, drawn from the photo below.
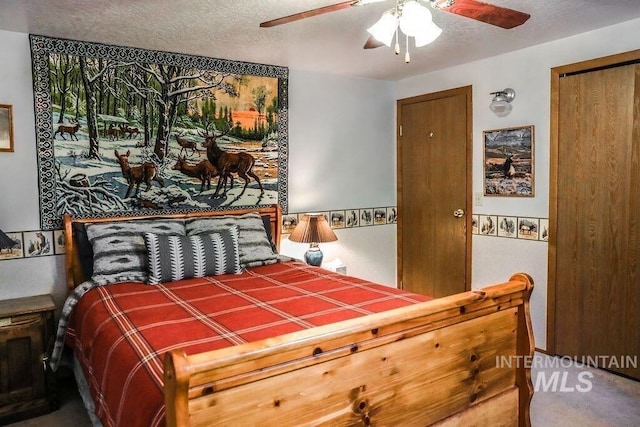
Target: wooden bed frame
(458, 360)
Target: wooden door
(434, 181)
(596, 249)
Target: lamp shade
(427, 34)
(313, 228)
(6, 241)
(414, 17)
(384, 29)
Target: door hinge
(400, 130)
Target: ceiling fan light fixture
(501, 102)
(413, 18)
(428, 34)
(385, 28)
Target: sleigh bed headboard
(74, 250)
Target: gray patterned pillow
(119, 251)
(176, 257)
(253, 243)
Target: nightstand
(26, 336)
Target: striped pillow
(177, 257)
(254, 245)
(119, 252)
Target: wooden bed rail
(433, 362)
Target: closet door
(597, 251)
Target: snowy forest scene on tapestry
(128, 131)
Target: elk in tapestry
(174, 134)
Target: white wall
(528, 72)
(341, 156)
(18, 176)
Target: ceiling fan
(483, 12)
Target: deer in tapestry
(203, 171)
(136, 175)
(228, 163)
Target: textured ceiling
(330, 43)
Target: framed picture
(6, 128)
(380, 216)
(544, 229)
(507, 226)
(528, 228)
(58, 242)
(508, 162)
(392, 215)
(488, 226)
(136, 131)
(38, 243)
(366, 217)
(289, 223)
(17, 250)
(337, 219)
(352, 218)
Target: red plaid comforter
(121, 332)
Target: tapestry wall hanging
(124, 131)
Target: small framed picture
(507, 226)
(488, 226)
(6, 128)
(337, 219)
(289, 222)
(380, 216)
(392, 215)
(508, 162)
(544, 229)
(17, 250)
(352, 218)
(38, 243)
(528, 228)
(366, 217)
(474, 224)
(58, 242)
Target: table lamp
(313, 228)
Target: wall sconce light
(313, 228)
(501, 103)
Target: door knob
(458, 213)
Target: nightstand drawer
(7, 323)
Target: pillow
(266, 221)
(176, 257)
(119, 251)
(83, 247)
(253, 244)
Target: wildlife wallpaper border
(508, 162)
(128, 131)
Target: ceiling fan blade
(308, 13)
(488, 13)
(372, 43)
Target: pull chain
(407, 58)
